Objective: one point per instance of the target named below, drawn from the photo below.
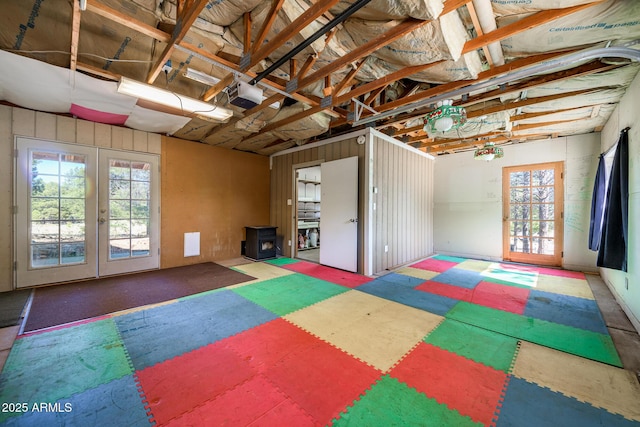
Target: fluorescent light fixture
(201, 77)
(183, 103)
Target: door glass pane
(518, 179)
(57, 208)
(542, 211)
(129, 201)
(543, 177)
(520, 195)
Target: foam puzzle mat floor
(445, 342)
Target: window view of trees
(129, 198)
(532, 211)
(57, 209)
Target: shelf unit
(308, 213)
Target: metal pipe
(296, 50)
(564, 61)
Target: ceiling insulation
(390, 56)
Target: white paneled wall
(468, 198)
(18, 121)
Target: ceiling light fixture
(445, 117)
(201, 77)
(183, 103)
(488, 152)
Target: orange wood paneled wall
(211, 190)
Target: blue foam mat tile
(115, 402)
(432, 303)
(528, 405)
(458, 277)
(161, 333)
(393, 279)
(567, 310)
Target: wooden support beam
(97, 71)
(522, 25)
(307, 17)
(479, 32)
(267, 24)
(75, 34)
(183, 24)
(348, 78)
(372, 45)
(448, 87)
(311, 59)
(98, 8)
(373, 94)
(218, 87)
(246, 20)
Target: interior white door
(55, 214)
(128, 212)
(339, 219)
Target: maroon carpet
(57, 305)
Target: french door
(83, 212)
(533, 213)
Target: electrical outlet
(289, 242)
(386, 248)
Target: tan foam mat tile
(377, 331)
(564, 285)
(475, 265)
(614, 389)
(417, 272)
(261, 271)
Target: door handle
(353, 220)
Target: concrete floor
(623, 334)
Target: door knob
(102, 220)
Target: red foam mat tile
(333, 275)
(562, 273)
(471, 388)
(451, 291)
(255, 402)
(501, 297)
(174, 387)
(266, 344)
(322, 380)
(436, 265)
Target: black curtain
(597, 206)
(615, 226)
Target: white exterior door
(75, 217)
(128, 212)
(339, 220)
(55, 215)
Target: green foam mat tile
(281, 261)
(517, 283)
(391, 403)
(286, 294)
(54, 365)
(480, 345)
(510, 277)
(449, 258)
(591, 345)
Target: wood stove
(260, 242)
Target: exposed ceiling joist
(184, 21)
